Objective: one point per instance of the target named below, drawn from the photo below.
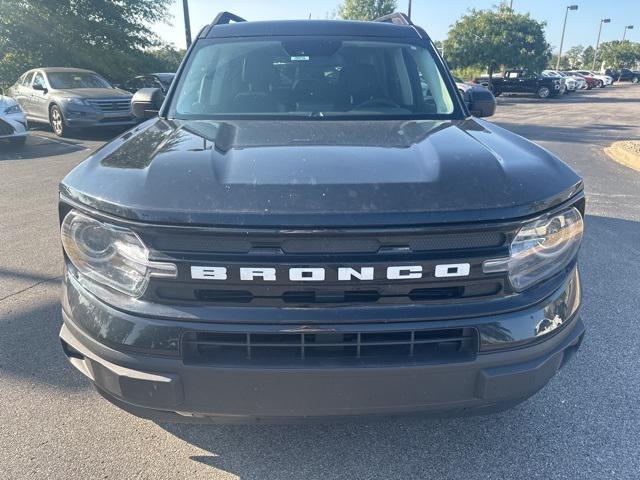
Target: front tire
(635, 80)
(600, 84)
(57, 123)
(543, 92)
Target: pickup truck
(523, 81)
(627, 75)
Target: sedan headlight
(13, 109)
(110, 255)
(77, 101)
(541, 249)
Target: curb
(619, 154)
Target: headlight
(110, 255)
(541, 249)
(77, 101)
(13, 109)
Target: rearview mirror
(146, 102)
(480, 101)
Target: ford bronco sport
(315, 223)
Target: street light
(566, 13)
(409, 10)
(595, 55)
(187, 22)
(628, 27)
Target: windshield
(312, 77)
(71, 80)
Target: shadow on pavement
(29, 345)
(38, 147)
(598, 134)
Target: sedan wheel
(57, 122)
(543, 92)
(635, 80)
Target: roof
(64, 69)
(311, 28)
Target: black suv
(313, 224)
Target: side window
(38, 80)
(512, 75)
(26, 79)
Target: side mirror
(146, 102)
(40, 88)
(480, 101)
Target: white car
(570, 84)
(13, 121)
(604, 79)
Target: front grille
(329, 250)
(5, 128)
(359, 294)
(112, 105)
(328, 348)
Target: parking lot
(584, 424)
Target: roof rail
(397, 18)
(224, 18)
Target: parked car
(627, 75)
(13, 122)
(299, 232)
(590, 80)
(602, 80)
(71, 98)
(152, 80)
(524, 81)
(581, 83)
(570, 83)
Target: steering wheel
(376, 102)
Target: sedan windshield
(71, 80)
(311, 77)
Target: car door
(528, 82)
(512, 81)
(21, 91)
(39, 101)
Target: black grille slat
(112, 105)
(346, 347)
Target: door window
(38, 80)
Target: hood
(93, 93)
(320, 173)
(6, 102)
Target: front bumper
(162, 387)
(79, 116)
(14, 125)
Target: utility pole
(595, 55)
(409, 10)
(624, 35)
(511, 5)
(187, 22)
(566, 13)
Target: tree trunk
(490, 78)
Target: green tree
(574, 56)
(587, 57)
(564, 62)
(112, 37)
(490, 39)
(619, 54)
(366, 9)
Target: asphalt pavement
(584, 425)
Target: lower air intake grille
(330, 348)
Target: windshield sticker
(300, 58)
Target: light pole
(566, 13)
(409, 10)
(595, 55)
(187, 22)
(624, 35)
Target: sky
(435, 16)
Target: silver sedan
(71, 98)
